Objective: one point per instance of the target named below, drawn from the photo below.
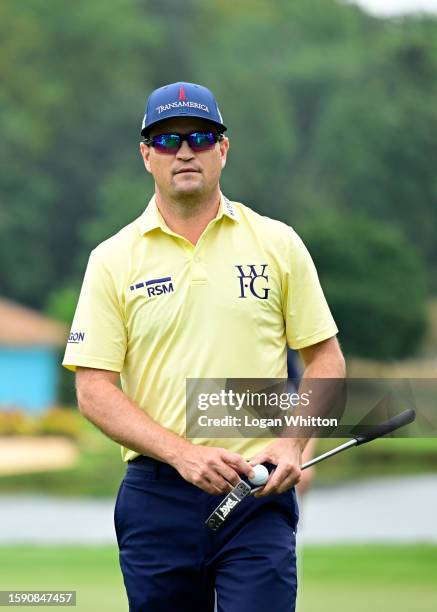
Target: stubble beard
(189, 198)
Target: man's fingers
(281, 479)
(210, 488)
(228, 473)
(289, 482)
(238, 463)
(268, 485)
(260, 458)
(215, 479)
(217, 484)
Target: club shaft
(330, 453)
(319, 458)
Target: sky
(385, 8)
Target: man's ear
(145, 154)
(224, 148)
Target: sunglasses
(197, 141)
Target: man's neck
(188, 216)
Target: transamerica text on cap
(166, 107)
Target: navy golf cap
(181, 100)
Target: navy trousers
(171, 562)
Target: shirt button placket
(198, 272)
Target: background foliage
(331, 120)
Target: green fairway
(334, 579)
(368, 578)
(92, 572)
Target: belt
(149, 464)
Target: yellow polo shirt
(160, 310)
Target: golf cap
(181, 100)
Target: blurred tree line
(331, 117)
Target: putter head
(227, 505)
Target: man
(196, 287)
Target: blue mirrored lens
(167, 142)
(198, 141)
(201, 140)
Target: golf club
(242, 489)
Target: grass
(363, 578)
(92, 572)
(333, 579)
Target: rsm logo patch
(156, 286)
(76, 337)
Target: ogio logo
(156, 286)
(76, 337)
(229, 207)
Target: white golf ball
(261, 475)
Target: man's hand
(214, 470)
(286, 454)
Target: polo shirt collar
(152, 219)
(227, 208)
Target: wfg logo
(254, 280)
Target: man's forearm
(322, 380)
(109, 409)
(325, 367)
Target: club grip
(404, 418)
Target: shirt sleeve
(98, 337)
(307, 315)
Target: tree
(71, 107)
(374, 282)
